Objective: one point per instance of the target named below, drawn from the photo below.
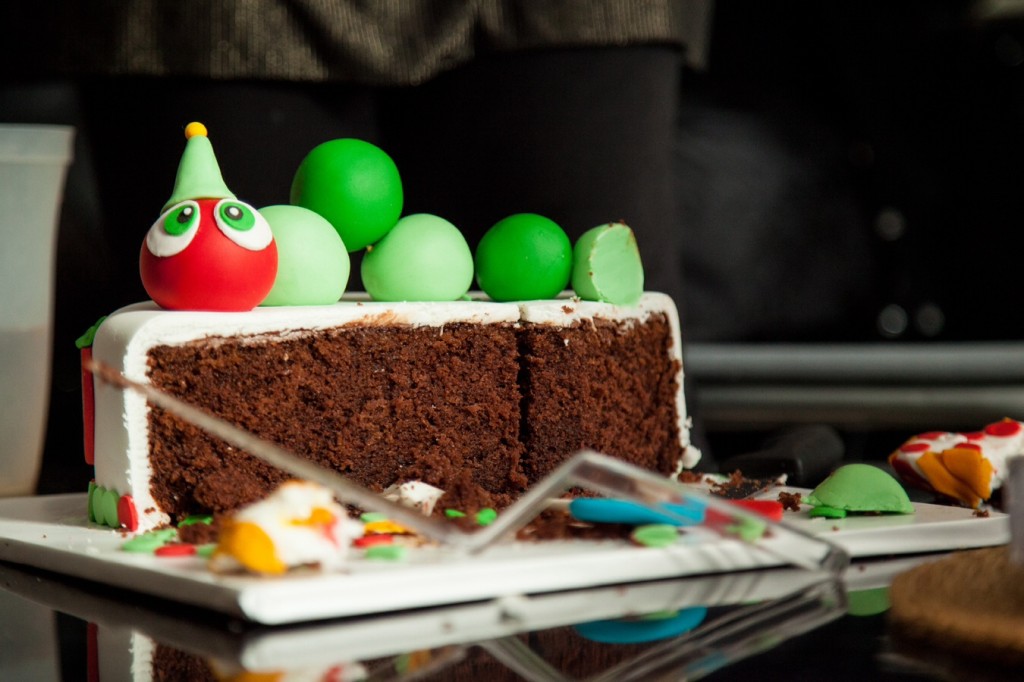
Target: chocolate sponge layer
(479, 411)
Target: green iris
(180, 220)
(237, 216)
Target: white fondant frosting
(125, 338)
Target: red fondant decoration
(175, 549)
(127, 514)
(212, 273)
(372, 541)
(771, 509)
(1003, 428)
(88, 410)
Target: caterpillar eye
(243, 224)
(174, 230)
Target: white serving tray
(931, 528)
(52, 533)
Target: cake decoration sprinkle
(370, 517)
(368, 541)
(194, 519)
(454, 514)
(486, 516)
(385, 552)
(384, 527)
(748, 530)
(127, 515)
(655, 535)
(147, 543)
(175, 549)
(206, 551)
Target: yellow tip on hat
(195, 128)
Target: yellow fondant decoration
(945, 482)
(195, 128)
(382, 527)
(250, 545)
(317, 517)
(971, 467)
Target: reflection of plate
(255, 647)
(51, 533)
(260, 647)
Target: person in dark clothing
(488, 109)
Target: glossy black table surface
(804, 627)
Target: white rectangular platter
(52, 533)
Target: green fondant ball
(606, 265)
(523, 257)
(424, 258)
(354, 185)
(312, 263)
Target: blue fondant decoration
(639, 630)
(602, 510)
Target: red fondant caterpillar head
(207, 250)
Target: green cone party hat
(198, 172)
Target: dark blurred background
(800, 172)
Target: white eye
(174, 230)
(243, 224)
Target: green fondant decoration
(523, 257)
(868, 602)
(860, 487)
(606, 265)
(147, 543)
(748, 530)
(402, 663)
(354, 185)
(423, 258)
(96, 505)
(385, 552)
(86, 339)
(313, 265)
(108, 508)
(486, 516)
(206, 551)
(198, 174)
(373, 517)
(655, 535)
(824, 511)
(92, 495)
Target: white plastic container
(33, 165)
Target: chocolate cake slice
(477, 398)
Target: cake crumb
(687, 476)
(981, 513)
(790, 501)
